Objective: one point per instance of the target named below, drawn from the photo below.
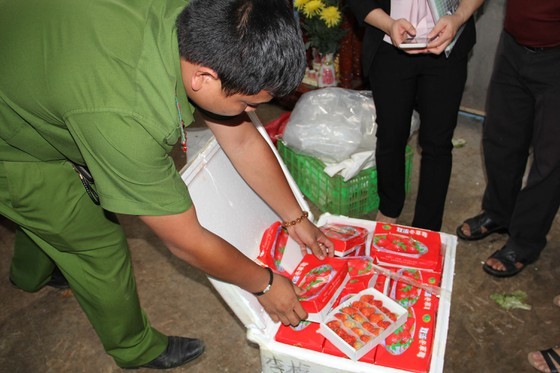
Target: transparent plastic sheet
(332, 124)
(435, 290)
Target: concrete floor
(47, 331)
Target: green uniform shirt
(96, 82)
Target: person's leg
(31, 268)
(538, 202)
(393, 84)
(506, 139)
(89, 247)
(440, 89)
(507, 133)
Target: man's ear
(201, 76)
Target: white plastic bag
(332, 124)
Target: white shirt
(416, 12)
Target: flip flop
(508, 258)
(548, 356)
(476, 224)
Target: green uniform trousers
(60, 225)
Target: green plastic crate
(354, 198)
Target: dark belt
(541, 49)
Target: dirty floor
(47, 331)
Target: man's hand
(306, 234)
(281, 302)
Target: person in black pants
(425, 79)
(523, 114)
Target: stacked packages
(373, 302)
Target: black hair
(253, 45)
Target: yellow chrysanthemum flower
(331, 16)
(312, 8)
(299, 4)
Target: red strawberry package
(401, 246)
(362, 275)
(321, 282)
(347, 239)
(303, 335)
(409, 347)
(273, 245)
(355, 285)
(357, 325)
(331, 349)
(403, 292)
(278, 250)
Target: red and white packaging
(347, 239)
(402, 246)
(410, 346)
(272, 248)
(360, 266)
(303, 335)
(279, 251)
(357, 325)
(405, 294)
(331, 349)
(363, 276)
(322, 281)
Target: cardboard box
(279, 251)
(330, 349)
(347, 239)
(367, 225)
(303, 335)
(410, 346)
(356, 332)
(227, 206)
(362, 276)
(272, 248)
(401, 246)
(321, 282)
(407, 295)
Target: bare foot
(499, 266)
(467, 230)
(556, 300)
(385, 219)
(536, 359)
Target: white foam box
(221, 197)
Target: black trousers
(434, 86)
(523, 114)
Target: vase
(326, 75)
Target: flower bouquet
(321, 21)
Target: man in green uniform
(103, 84)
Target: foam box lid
(227, 206)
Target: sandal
(548, 356)
(476, 224)
(508, 258)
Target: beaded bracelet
(267, 288)
(288, 224)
